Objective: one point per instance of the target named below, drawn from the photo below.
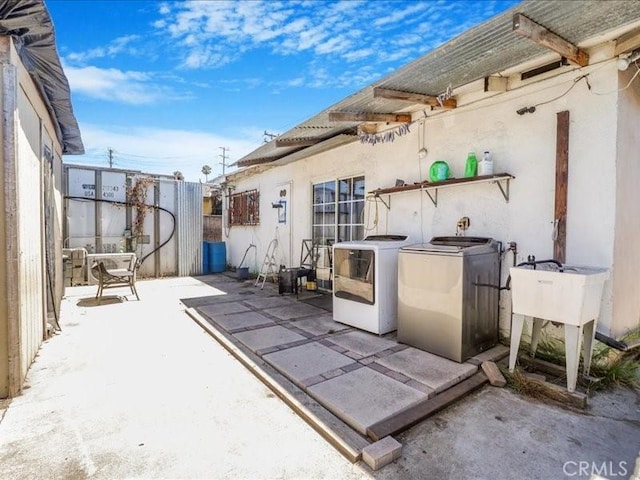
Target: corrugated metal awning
(482, 51)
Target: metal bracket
(388, 205)
(434, 200)
(505, 192)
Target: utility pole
(110, 152)
(224, 158)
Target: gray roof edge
(558, 13)
(31, 26)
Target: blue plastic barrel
(206, 268)
(217, 257)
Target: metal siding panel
(114, 222)
(81, 215)
(189, 228)
(147, 269)
(30, 261)
(181, 256)
(168, 260)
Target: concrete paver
(268, 337)
(364, 397)
(267, 302)
(432, 370)
(219, 309)
(305, 361)
(237, 321)
(363, 343)
(295, 310)
(320, 325)
(382, 452)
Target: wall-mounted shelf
(431, 188)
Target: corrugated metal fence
(165, 231)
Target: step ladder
(269, 265)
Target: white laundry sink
(571, 297)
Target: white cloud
(211, 34)
(119, 45)
(399, 15)
(130, 87)
(163, 151)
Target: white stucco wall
(626, 272)
(523, 146)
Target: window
(244, 208)
(338, 216)
(348, 223)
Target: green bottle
(471, 168)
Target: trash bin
(217, 257)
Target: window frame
(244, 208)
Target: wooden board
(494, 374)
(559, 393)
(542, 366)
(408, 418)
(562, 182)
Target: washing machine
(365, 288)
(448, 293)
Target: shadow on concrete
(93, 302)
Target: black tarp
(30, 25)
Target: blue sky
(166, 84)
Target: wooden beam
(562, 182)
(627, 42)
(379, 92)
(297, 142)
(539, 34)
(369, 117)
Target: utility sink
(571, 296)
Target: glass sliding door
(338, 216)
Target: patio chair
(122, 277)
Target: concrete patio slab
(432, 370)
(219, 309)
(213, 299)
(238, 321)
(295, 310)
(305, 361)
(364, 397)
(267, 337)
(267, 302)
(320, 325)
(363, 343)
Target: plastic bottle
(471, 167)
(485, 167)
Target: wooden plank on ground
(542, 366)
(494, 374)
(408, 418)
(560, 394)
